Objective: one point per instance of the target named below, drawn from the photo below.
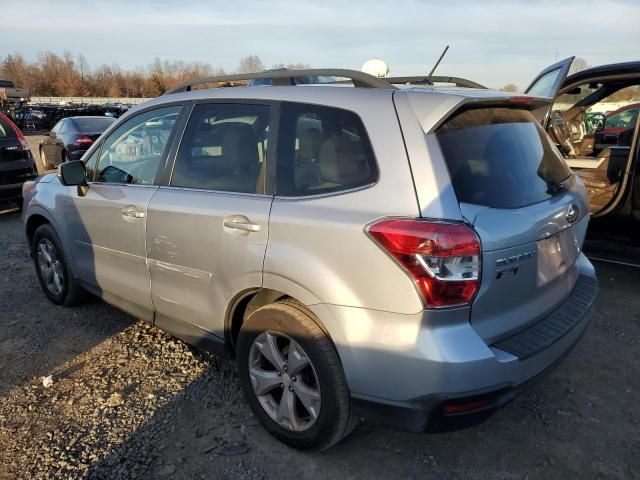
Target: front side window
(322, 150)
(224, 149)
(545, 86)
(90, 164)
(133, 151)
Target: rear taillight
(443, 259)
(83, 141)
(21, 139)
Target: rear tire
(321, 385)
(52, 268)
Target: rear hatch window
(6, 131)
(500, 158)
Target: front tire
(52, 268)
(292, 377)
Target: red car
(618, 126)
(16, 162)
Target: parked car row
(70, 138)
(45, 116)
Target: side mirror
(72, 173)
(52, 134)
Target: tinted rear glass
(6, 131)
(93, 125)
(500, 158)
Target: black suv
(16, 162)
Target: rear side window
(224, 148)
(322, 150)
(6, 131)
(500, 158)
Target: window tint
(545, 86)
(501, 158)
(322, 150)
(224, 148)
(93, 125)
(132, 152)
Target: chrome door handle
(240, 222)
(132, 211)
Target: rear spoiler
(522, 102)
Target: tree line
(68, 75)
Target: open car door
(593, 117)
(547, 84)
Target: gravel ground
(128, 401)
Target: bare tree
(510, 87)
(71, 75)
(250, 64)
(578, 65)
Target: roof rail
(287, 78)
(459, 82)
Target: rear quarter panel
(318, 250)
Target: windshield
(501, 158)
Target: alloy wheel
(51, 268)
(284, 381)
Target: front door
(107, 222)
(207, 229)
(547, 84)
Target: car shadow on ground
(35, 335)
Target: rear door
(547, 84)
(208, 225)
(528, 209)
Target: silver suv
(408, 255)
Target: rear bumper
(403, 371)
(428, 414)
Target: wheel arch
(33, 222)
(246, 303)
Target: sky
(493, 42)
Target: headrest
(342, 161)
(240, 147)
(309, 140)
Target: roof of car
(90, 116)
(603, 70)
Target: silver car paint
(316, 251)
(108, 244)
(197, 264)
